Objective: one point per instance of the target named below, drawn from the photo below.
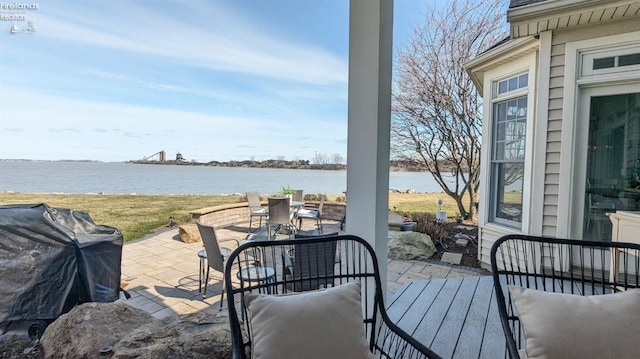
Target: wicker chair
(359, 264)
(279, 215)
(213, 254)
(315, 214)
(314, 261)
(298, 195)
(255, 208)
(557, 265)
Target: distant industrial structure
(158, 156)
(161, 157)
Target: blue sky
(214, 80)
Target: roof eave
(511, 49)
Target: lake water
(126, 178)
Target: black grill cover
(52, 259)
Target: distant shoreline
(396, 166)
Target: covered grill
(52, 259)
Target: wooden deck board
(448, 334)
(493, 341)
(456, 317)
(476, 318)
(437, 310)
(409, 308)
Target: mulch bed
(447, 243)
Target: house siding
(552, 166)
(555, 112)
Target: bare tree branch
(437, 112)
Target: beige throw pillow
(558, 325)
(319, 324)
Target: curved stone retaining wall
(228, 214)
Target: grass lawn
(138, 215)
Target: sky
(219, 80)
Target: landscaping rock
(462, 242)
(198, 335)
(189, 233)
(463, 236)
(466, 228)
(88, 327)
(132, 333)
(410, 245)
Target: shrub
(426, 223)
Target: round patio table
(260, 274)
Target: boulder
(127, 332)
(410, 245)
(198, 335)
(85, 329)
(395, 221)
(189, 233)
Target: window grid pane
(507, 169)
(616, 61)
(513, 83)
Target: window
(607, 61)
(513, 83)
(616, 61)
(613, 159)
(508, 151)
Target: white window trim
(523, 64)
(587, 57)
(570, 190)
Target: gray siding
(556, 105)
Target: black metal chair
(558, 265)
(358, 263)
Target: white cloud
(220, 42)
(122, 79)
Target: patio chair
(255, 208)
(304, 264)
(214, 256)
(279, 215)
(551, 296)
(315, 214)
(265, 323)
(298, 195)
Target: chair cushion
(319, 324)
(307, 213)
(558, 325)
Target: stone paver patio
(161, 273)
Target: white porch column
(370, 63)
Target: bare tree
(337, 159)
(437, 112)
(320, 158)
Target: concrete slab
(453, 258)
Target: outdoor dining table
(295, 207)
(261, 234)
